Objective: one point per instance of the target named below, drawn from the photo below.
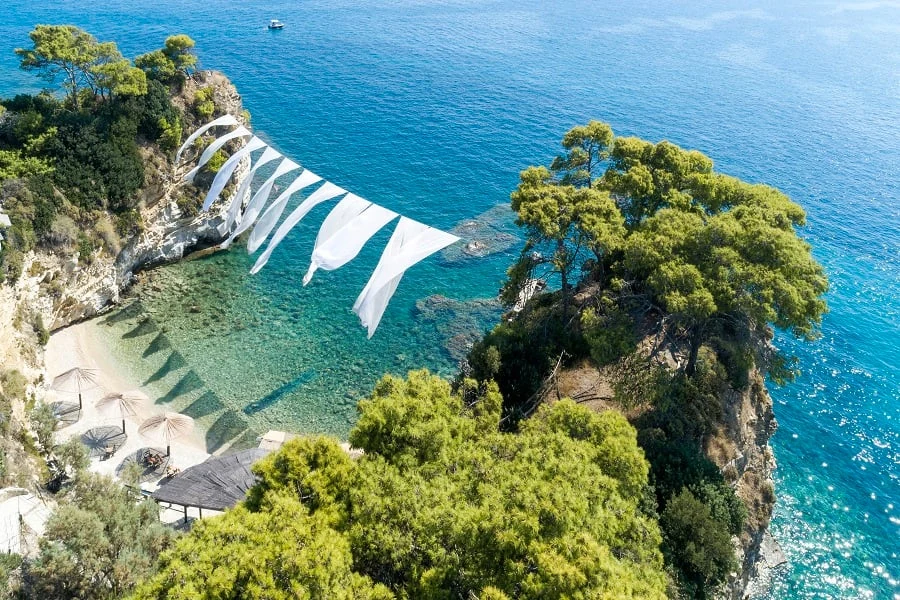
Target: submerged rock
(460, 323)
(490, 232)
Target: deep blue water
(432, 107)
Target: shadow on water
(160, 342)
(249, 439)
(226, 428)
(145, 327)
(276, 395)
(206, 404)
(125, 313)
(190, 382)
(173, 363)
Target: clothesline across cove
(350, 224)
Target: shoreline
(79, 345)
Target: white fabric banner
(238, 200)
(256, 204)
(342, 235)
(213, 148)
(345, 231)
(269, 218)
(224, 174)
(224, 121)
(326, 192)
(410, 243)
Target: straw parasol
(166, 427)
(123, 405)
(76, 381)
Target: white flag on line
(410, 243)
(343, 233)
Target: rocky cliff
(739, 447)
(57, 289)
(741, 450)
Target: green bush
(170, 134)
(697, 544)
(189, 205)
(43, 424)
(216, 161)
(85, 249)
(609, 332)
(129, 223)
(204, 106)
(40, 329)
(520, 353)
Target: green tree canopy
(75, 55)
(61, 50)
(99, 542)
(179, 49)
(586, 147)
(706, 247)
(696, 543)
(440, 505)
(563, 220)
(175, 59)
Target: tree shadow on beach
(174, 362)
(125, 313)
(189, 383)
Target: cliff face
(56, 290)
(741, 450)
(739, 447)
(64, 291)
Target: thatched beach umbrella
(76, 381)
(166, 427)
(124, 405)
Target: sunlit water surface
(432, 107)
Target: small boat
(276, 24)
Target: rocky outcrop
(56, 290)
(741, 450)
(63, 290)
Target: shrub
(14, 384)
(129, 223)
(609, 332)
(216, 161)
(43, 424)
(696, 543)
(204, 106)
(63, 232)
(85, 249)
(42, 334)
(170, 133)
(188, 205)
(107, 234)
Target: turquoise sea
(431, 107)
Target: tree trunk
(563, 272)
(696, 341)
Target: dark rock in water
(489, 233)
(460, 323)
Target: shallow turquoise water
(432, 106)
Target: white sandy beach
(79, 346)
